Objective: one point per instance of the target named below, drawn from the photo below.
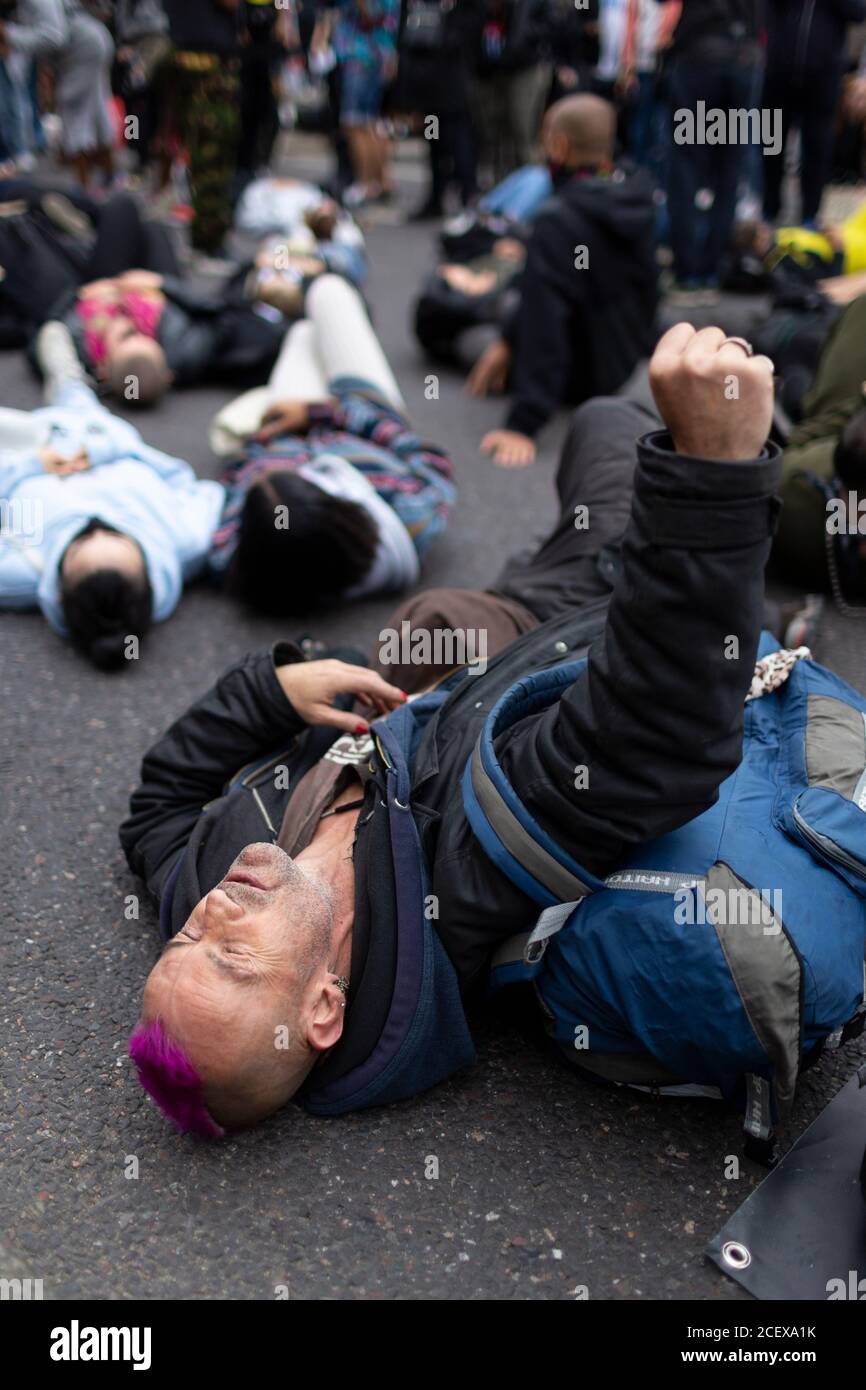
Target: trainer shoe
(57, 358)
(64, 214)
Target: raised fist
(716, 400)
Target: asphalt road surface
(546, 1184)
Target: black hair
(105, 608)
(849, 458)
(327, 546)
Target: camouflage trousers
(205, 95)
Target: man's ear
(560, 148)
(328, 1013)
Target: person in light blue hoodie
(97, 529)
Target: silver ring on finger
(741, 343)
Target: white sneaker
(56, 355)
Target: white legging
(335, 340)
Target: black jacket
(719, 31)
(204, 339)
(657, 719)
(808, 36)
(204, 26)
(580, 332)
(435, 80)
(527, 33)
(574, 34)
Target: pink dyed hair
(167, 1074)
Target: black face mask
(561, 173)
(558, 172)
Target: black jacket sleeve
(188, 331)
(244, 716)
(543, 331)
(657, 717)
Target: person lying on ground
(824, 460)
(588, 292)
(296, 215)
(460, 296)
(99, 531)
(327, 447)
(476, 284)
(292, 910)
(138, 326)
(783, 259)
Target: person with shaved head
(329, 903)
(588, 290)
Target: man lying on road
(322, 937)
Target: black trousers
(453, 157)
(575, 564)
(577, 561)
(122, 239)
(808, 102)
(259, 117)
(43, 264)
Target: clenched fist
(716, 401)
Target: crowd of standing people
(198, 89)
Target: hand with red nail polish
(313, 686)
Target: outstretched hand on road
(509, 448)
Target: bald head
(242, 995)
(136, 370)
(580, 131)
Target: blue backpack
(723, 957)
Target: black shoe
(429, 211)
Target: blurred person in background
(434, 83)
(649, 26)
(574, 47)
(715, 57)
(328, 438)
(806, 58)
(364, 38)
(268, 32)
(82, 90)
(201, 97)
(588, 290)
(29, 30)
(512, 76)
(141, 34)
(122, 526)
(612, 26)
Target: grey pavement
(545, 1183)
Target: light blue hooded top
(155, 499)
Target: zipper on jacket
(264, 813)
(828, 848)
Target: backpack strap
(510, 837)
(759, 1135)
(508, 834)
(527, 948)
(510, 843)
